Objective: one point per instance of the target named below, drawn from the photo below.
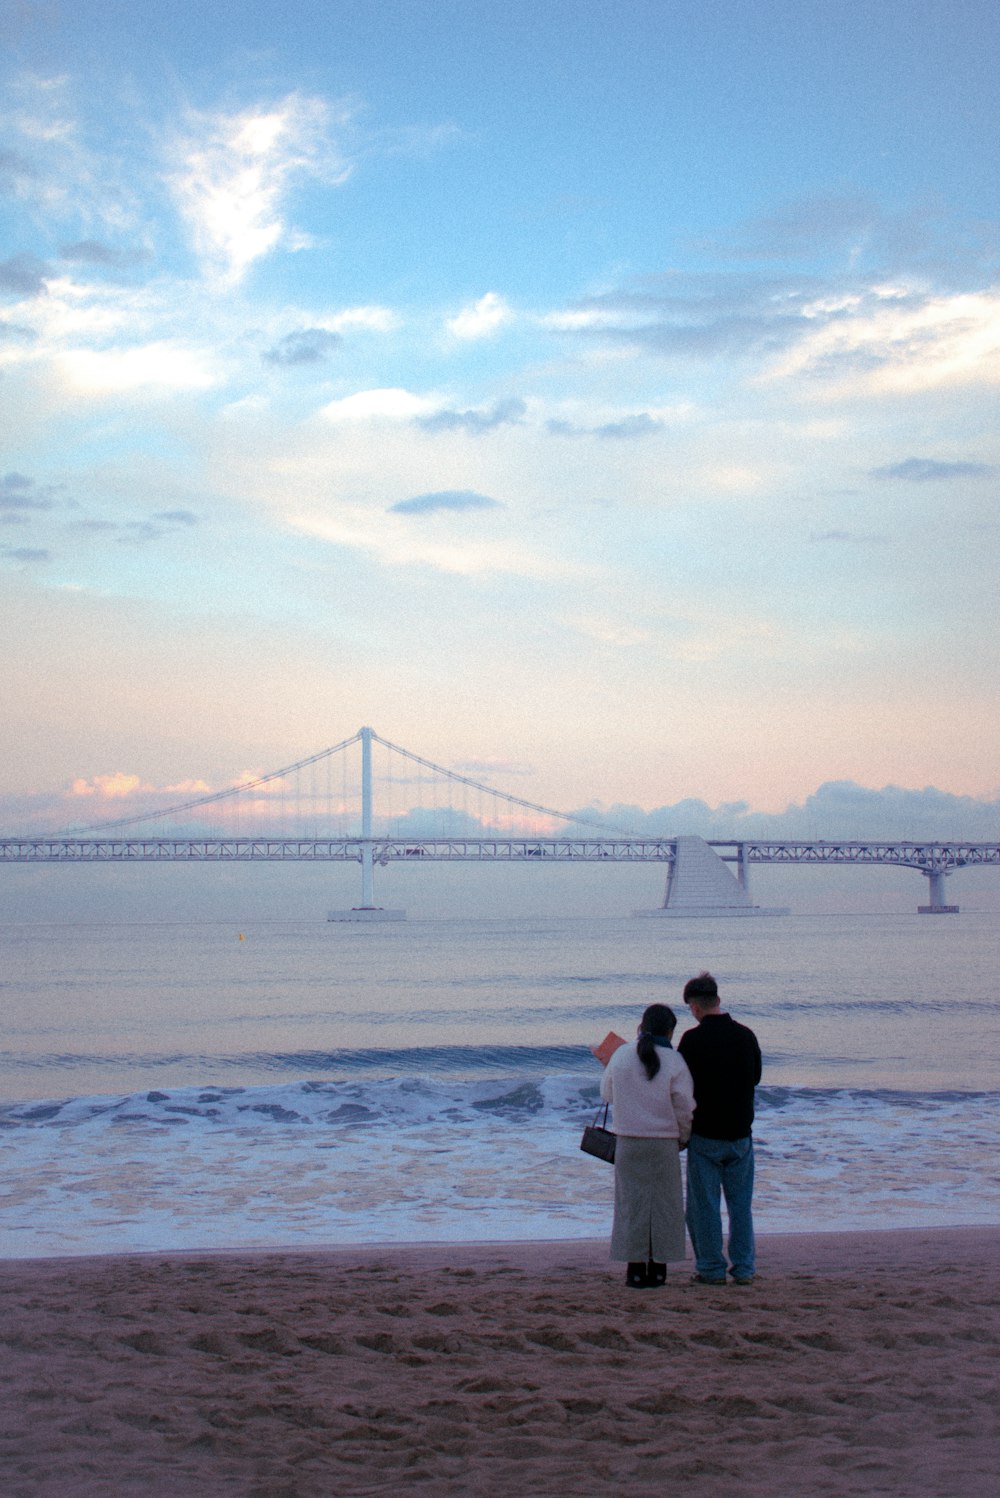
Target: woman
(652, 1096)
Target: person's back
(724, 1060)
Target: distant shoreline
(776, 1251)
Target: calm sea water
(167, 1085)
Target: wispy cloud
(494, 767)
(15, 168)
(839, 336)
(23, 275)
(232, 173)
(927, 470)
(95, 252)
(304, 346)
(817, 224)
(899, 340)
(18, 492)
(49, 163)
(16, 333)
(371, 319)
(605, 630)
(637, 424)
(507, 412)
(176, 517)
(394, 541)
(847, 538)
(694, 316)
(25, 554)
(445, 499)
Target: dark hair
(660, 1020)
(703, 988)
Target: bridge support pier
(937, 906)
(699, 885)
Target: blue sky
(603, 393)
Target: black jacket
(724, 1060)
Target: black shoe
(656, 1274)
(635, 1277)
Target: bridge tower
(367, 910)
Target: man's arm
(758, 1060)
(682, 1097)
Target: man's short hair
(703, 989)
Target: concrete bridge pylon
(938, 905)
(699, 885)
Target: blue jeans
(714, 1167)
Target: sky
(600, 399)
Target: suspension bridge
(370, 802)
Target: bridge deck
(927, 856)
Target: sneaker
(703, 1279)
(742, 1279)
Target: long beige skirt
(649, 1203)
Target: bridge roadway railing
(331, 849)
(929, 857)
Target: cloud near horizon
(839, 810)
(836, 811)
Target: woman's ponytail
(658, 1023)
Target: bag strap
(604, 1121)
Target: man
(724, 1060)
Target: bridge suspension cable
(229, 793)
(282, 776)
(488, 790)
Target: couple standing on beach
(700, 1096)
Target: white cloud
(117, 371)
(366, 405)
(395, 544)
(899, 343)
(233, 173)
(482, 319)
(373, 319)
(73, 310)
(114, 787)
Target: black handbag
(598, 1139)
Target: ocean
(304, 1083)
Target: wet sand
(855, 1364)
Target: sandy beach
(855, 1364)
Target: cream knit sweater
(644, 1109)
